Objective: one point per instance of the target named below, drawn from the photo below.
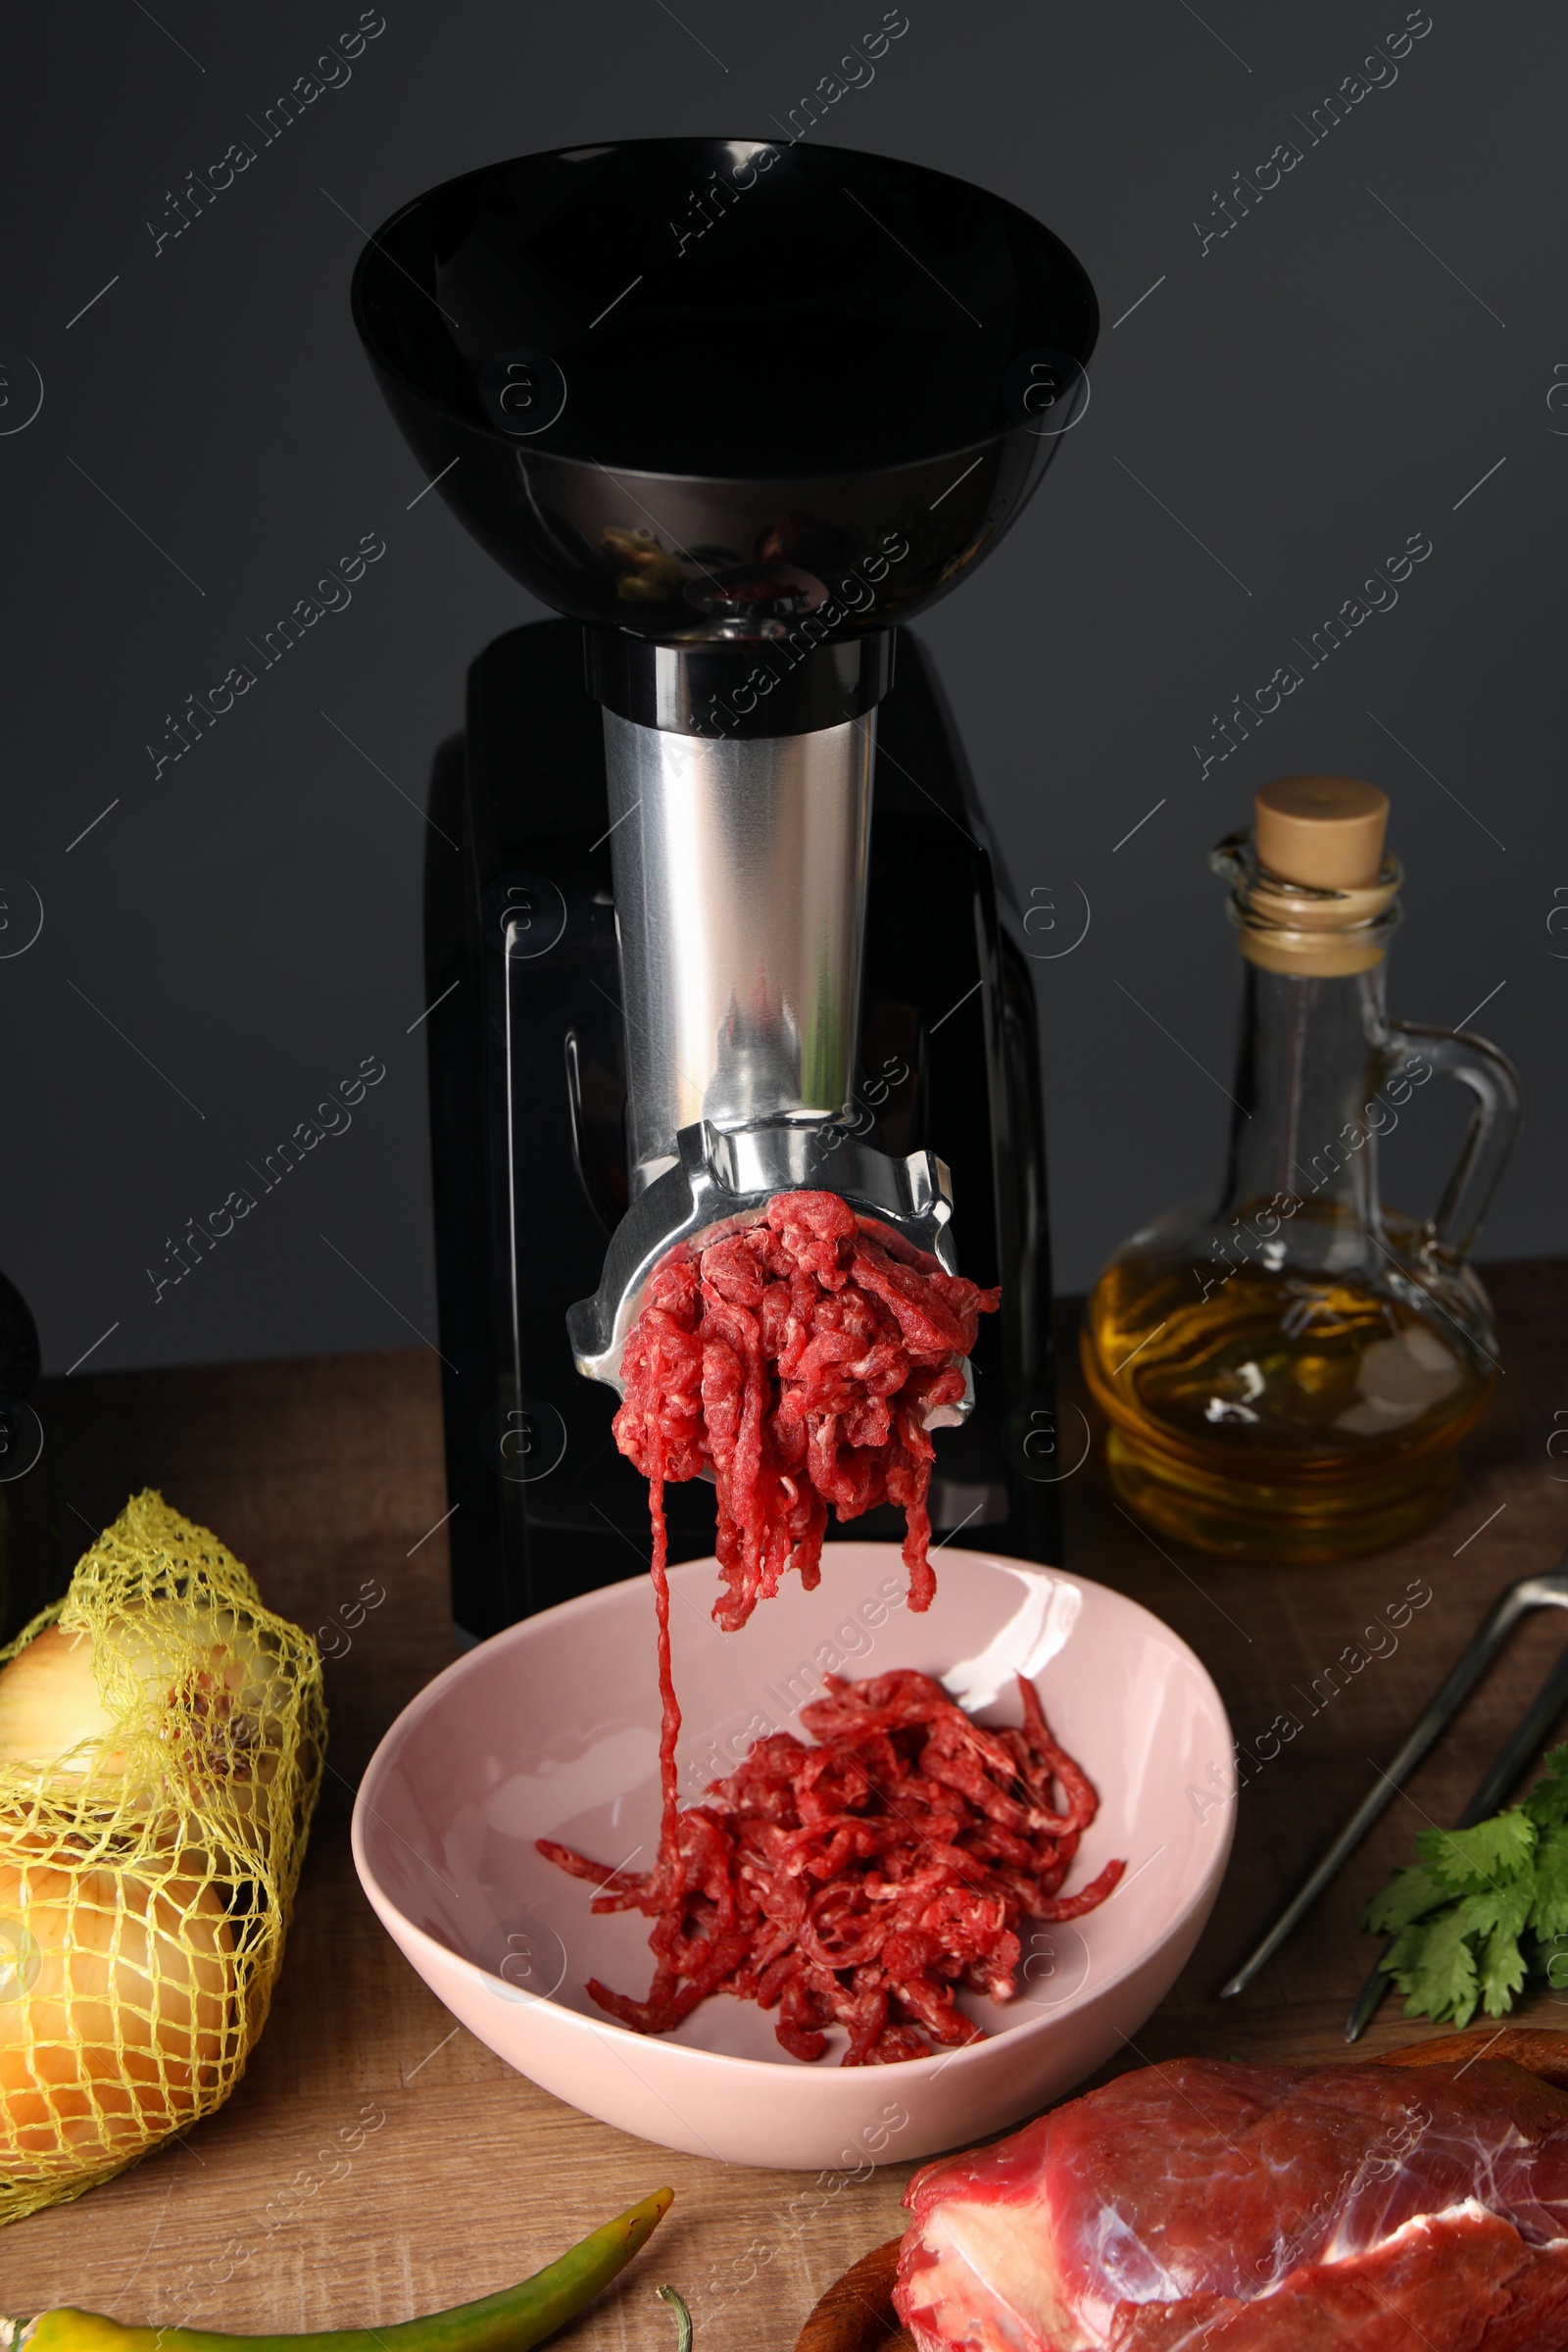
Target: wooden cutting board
(856, 2314)
(325, 1473)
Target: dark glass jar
(25, 1548)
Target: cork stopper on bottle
(1321, 832)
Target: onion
(52, 1714)
(117, 2007)
(193, 1680)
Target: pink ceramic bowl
(551, 1729)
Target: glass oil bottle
(1287, 1375)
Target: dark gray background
(1277, 417)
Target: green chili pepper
(512, 2320)
(683, 2319)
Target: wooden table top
(276, 2214)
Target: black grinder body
(527, 1099)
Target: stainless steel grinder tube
(740, 871)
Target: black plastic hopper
(699, 389)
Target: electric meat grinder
(709, 909)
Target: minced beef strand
(797, 1359)
(861, 1882)
(857, 1883)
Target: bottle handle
(1451, 1231)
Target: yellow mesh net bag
(161, 1737)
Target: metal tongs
(1529, 1593)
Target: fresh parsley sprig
(1483, 1909)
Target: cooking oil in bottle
(1287, 1375)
